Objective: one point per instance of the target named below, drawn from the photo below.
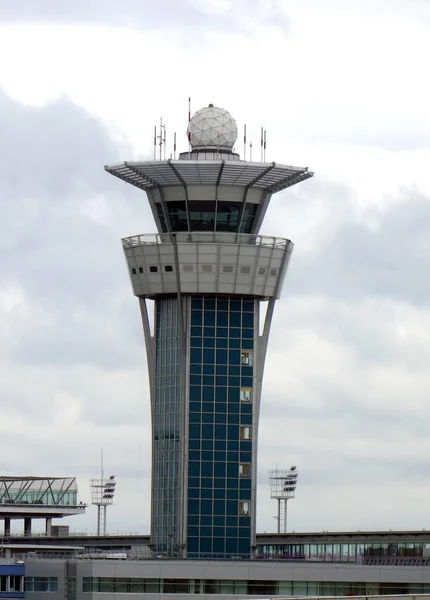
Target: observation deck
(207, 263)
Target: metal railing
(211, 237)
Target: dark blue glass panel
(207, 393)
(247, 372)
(233, 418)
(208, 369)
(234, 343)
(192, 545)
(232, 494)
(195, 355)
(232, 470)
(193, 493)
(235, 305)
(222, 304)
(196, 331)
(206, 482)
(245, 455)
(195, 393)
(219, 491)
(205, 546)
(245, 494)
(206, 532)
(209, 319)
(231, 532)
(222, 343)
(208, 356)
(244, 547)
(206, 506)
(194, 469)
(194, 417)
(234, 382)
(195, 369)
(221, 394)
(206, 521)
(221, 332)
(206, 493)
(231, 521)
(195, 431)
(220, 456)
(232, 456)
(209, 332)
(221, 369)
(248, 320)
(209, 304)
(234, 357)
(194, 454)
(193, 506)
(246, 419)
(197, 302)
(232, 507)
(247, 344)
(219, 521)
(197, 317)
(235, 319)
(210, 342)
(207, 417)
(233, 444)
(248, 306)
(207, 444)
(247, 381)
(220, 432)
(207, 407)
(220, 418)
(193, 521)
(196, 406)
(221, 380)
(230, 546)
(219, 483)
(208, 380)
(244, 532)
(196, 342)
(194, 482)
(247, 333)
(220, 407)
(207, 470)
(219, 469)
(234, 370)
(221, 357)
(195, 380)
(218, 532)
(192, 530)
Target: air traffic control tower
(208, 270)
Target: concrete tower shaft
(208, 271)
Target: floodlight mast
(283, 483)
(102, 495)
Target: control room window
(244, 508)
(246, 358)
(245, 470)
(245, 433)
(246, 394)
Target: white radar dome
(212, 127)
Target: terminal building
(209, 272)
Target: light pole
(283, 483)
(102, 495)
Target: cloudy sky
(341, 87)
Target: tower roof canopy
(271, 177)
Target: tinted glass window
(228, 216)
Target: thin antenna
(189, 120)
(174, 146)
(244, 142)
(261, 146)
(155, 142)
(164, 140)
(264, 155)
(250, 151)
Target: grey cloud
(69, 265)
(384, 255)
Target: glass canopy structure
(208, 271)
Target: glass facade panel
(208, 215)
(215, 423)
(166, 427)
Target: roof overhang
(271, 177)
